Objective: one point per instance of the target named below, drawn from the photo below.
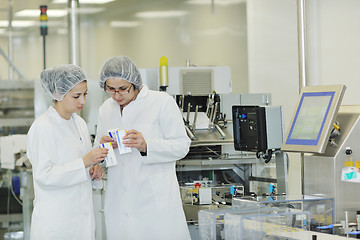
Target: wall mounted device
(257, 129)
(313, 119)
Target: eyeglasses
(121, 91)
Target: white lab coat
(142, 198)
(63, 207)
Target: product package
(117, 135)
(110, 159)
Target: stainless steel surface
(281, 159)
(206, 137)
(10, 30)
(189, 133)
(213, 113)
(217, 164)
(323, 172)
(274, 126)
(208, 106)
(27, 189)
(195, 116)
(258, 98)
(301, 22)
(74, 32)
(217, 161)
(347, 222)
(223, 135)
(188, 113)
(182, 103)
(347, 120)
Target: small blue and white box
(121, 146)
(110, 159)
(118, 135)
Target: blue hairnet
(120, 67)
(59, 80)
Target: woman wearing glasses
(142, 200)
(58, 147)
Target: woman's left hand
(96, 172)
(135, 139)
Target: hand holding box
(110, 159)
(118, 135)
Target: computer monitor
(313, 119)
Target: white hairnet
(120, 67)
(59, 80)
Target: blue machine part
(16, 184)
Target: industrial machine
(324, 173)
(315, 130)
(213, 172)
(327, 135)
(16, 193)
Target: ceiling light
(161, 14)
(36, 13)
(18, 23)
(216, 2)
(124, 24)
(84, 1)
(56, 12)
(89, 10)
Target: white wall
(273, 61)
(335, 44)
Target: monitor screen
(313, 119)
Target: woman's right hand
(95, 156)
(105, 139)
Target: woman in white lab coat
(142, 199)
(58, 148)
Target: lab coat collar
(55, 115)
(143, 92)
